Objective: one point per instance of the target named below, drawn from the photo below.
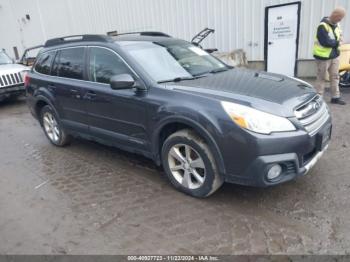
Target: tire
(196, 175)
(344, 81)
(52, 127)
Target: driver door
(117, 116)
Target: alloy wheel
(51, 127)
(186, 166)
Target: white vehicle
(11, 77)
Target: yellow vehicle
(344, 69)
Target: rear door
(69, 81)
(114, 115)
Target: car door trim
(116, 135)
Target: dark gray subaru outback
(205, 122)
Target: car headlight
(255, 120)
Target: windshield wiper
(218, 70)
(214, 71)
(176, 79)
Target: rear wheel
(189, 164)
(52, 127)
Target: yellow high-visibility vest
(322, 51)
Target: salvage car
(205, 122)
(11, 77)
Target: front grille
(313, 114)
(10, 79)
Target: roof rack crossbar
(77, 38)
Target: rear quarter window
(43, 64)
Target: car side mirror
(122, 81)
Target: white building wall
(238, 23)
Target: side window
(70, 63)
(54, 68)
(44, 63)
(104, 64)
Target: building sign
(282, 29)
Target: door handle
(75, 93)
(270, 43)
(90, 95)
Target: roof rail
(77, 38)
(144, 33)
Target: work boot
(338, 101)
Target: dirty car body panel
(134, 119)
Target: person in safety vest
(326, 52)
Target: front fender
(197, 127)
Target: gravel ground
(91, 199)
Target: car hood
(269, 92)
(12, 68)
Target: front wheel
(189, 164)
(52, 127)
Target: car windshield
(4, 58)
(174, 61)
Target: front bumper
(9, 91)
(304, 152)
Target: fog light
(274, 172)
